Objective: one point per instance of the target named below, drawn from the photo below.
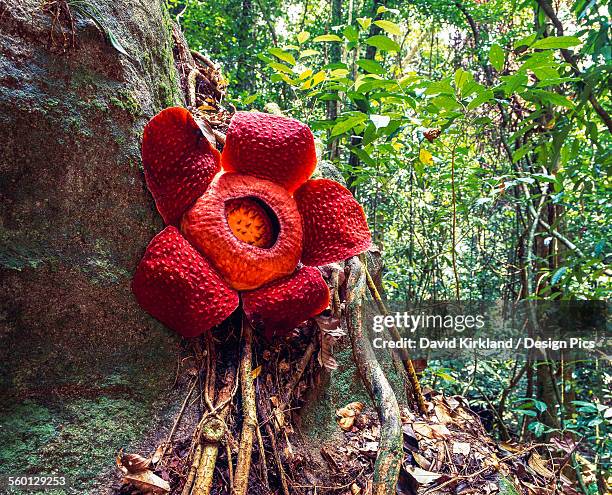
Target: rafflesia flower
(247, 224)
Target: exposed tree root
(249, 413)
(209, 434)
(406, 361)
(390, 453)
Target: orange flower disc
(250, 222)
(249, 228)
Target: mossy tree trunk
(81, 366)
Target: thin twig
(479, 472)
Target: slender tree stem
(249, 413)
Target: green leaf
(249, 99)
(115, 43)
(327, 37)
(308, 53)
(303, 36)
(512, 83)
(553, 42)
(446, 102)
(347, 124)
(389, 26)
(425, 157)
(497, 57)
(553, 98)
(545, 74)
(282, 55)
(526, 41)
(382, 9)
(280, 67)
(383, 42)
(480, 98)
(461, 78)
(439, 87)
(471, 87)
(520, 153)
(351, 33)
(364, 22)
(371, 66)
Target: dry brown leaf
(346, 423)
(443, 413)
(422, 476)
(421, 460)
(355, 489)
(422, 429)
(538, 464)
(147, 482)
(207, 130)
(255, 373)
(159, 452)
(132, 463)
(462, 448)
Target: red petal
(245, 266)
(284, 304)
(270, 147)
(178, 160)
(335, 226)
(176, 285)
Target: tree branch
(569, 58)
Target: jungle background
(477, 136)
(475, 133)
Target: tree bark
(75, 220)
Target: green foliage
(452, 138)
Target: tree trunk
(81, 366)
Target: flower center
(252, 221)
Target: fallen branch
(390, 451)
(249, 413)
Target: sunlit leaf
(371, 66)
(383, 42)
(497, 57)
(553, 42)
(482, 97)
(308, 53)
(389, 27)
(347, 124)
(303, 36)
(364, 22)
(282, 55)
(380, 121)
(425, 157)
(327, 38)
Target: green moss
(343, 387)
(127, 102)
(99, 105)
(166, 96)
(99, 428)
(506, 487)
(25, 428)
